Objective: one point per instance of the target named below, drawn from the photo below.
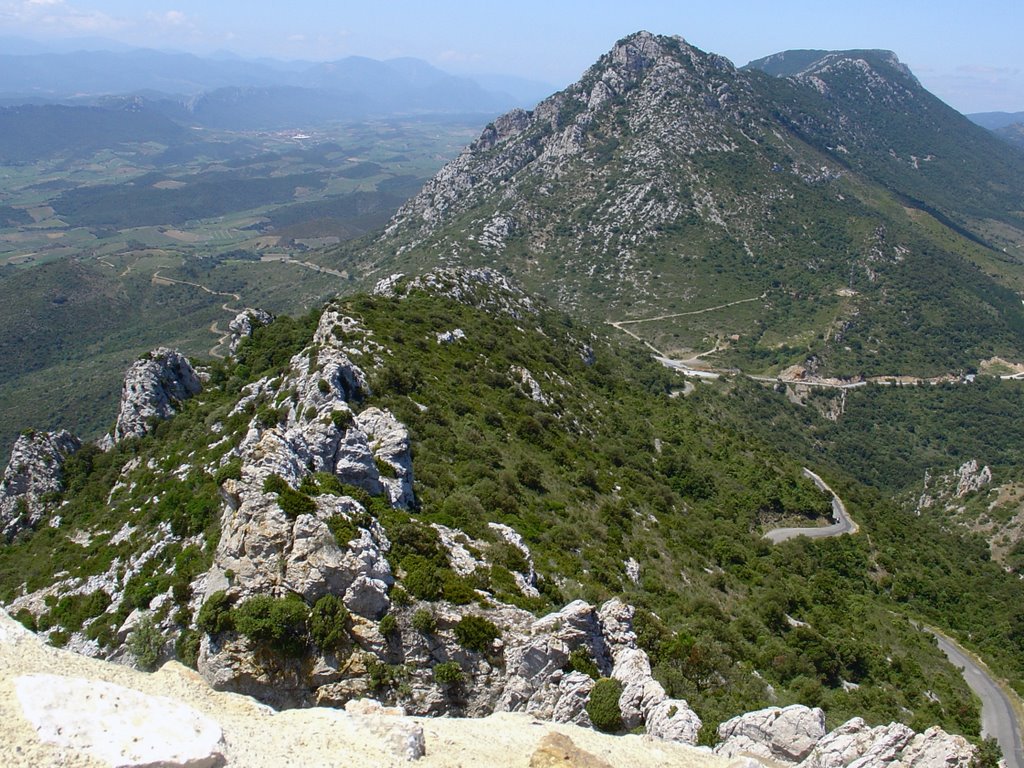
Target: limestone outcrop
(244, 324)
(153, 389)
(795, 736)
(784, 734)
(102, 720)
(34, 472)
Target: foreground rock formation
(236, 731)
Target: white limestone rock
(787, 734)
(673, 720)
(937, 749)
(388, 439)
(153, 388)
(571, 705)
(854, 740)
(118, 726)
(34, 470)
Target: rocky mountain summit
(667, 186)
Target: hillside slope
(381, 500)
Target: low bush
(475, 633)
(278, 622)
(328, 623)
(448, 673)
(603, 705)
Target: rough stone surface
(153, 386)
(788, 734)
(556, 750)
(389, 441)
(35, 470)
(119, 726)
(856, 743)
(673, 720)
(480, 288)
(855, 740)
(573, 693)
(389, 723)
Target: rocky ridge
(309, 498)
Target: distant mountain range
(231, 92)
(1008, 126)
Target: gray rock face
(153, 386)
(35, 470)
(787, 734)
(118, 726)
(243, 325)
(389, 441)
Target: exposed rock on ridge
(33, 472)
(152, 389)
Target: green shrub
(230, 471)
(274, 484)
(580, 660)
(280, 622)
(342, 529)
(388, 625)
(456, 589)
(448, 673)
(328, 622)
(342, 420)
(146, 642)
(400, 597)
(324, 386)
(26, 619)
(187, 647)
(421, 578)
(215, 616)
(424, 621)
(603, 705)
(476, 633)
(295, 503)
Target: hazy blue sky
(968, 53)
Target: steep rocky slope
(772, 220)
(448, 497)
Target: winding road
(998, 718)
(843, 522)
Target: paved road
(997, 716)
(843, 522)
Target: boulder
(556, 750)
(788, 734)
(573, 692)
(118, 726)
(673, 720)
